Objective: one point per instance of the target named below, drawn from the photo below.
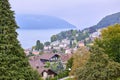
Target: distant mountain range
(106, 21)
(42, 22)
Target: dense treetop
(110, 42)
(14, 64)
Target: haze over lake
(28, 38)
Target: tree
(79, 59)
(69, 63)
(13, 63)
(39, 45)
(110, 41)
(99, 67)
(53, 38)
(47, 43)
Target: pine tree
(13, 63)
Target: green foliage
(110, 42)
(54, 51)
(69, 79)
(47, 43)
(80, 58)
(39, 46)
(69, 63)
(62, 74)
(57, 67)
(13, 63)
(47, 64)
(71, 35)
(99, 67)
(82, 36)
(53, 38)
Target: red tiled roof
(65, 57)
(47, 56)
(36, 63)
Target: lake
(28, 38)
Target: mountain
(81, 35)
(41, 22)
(106, 21)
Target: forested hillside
(82, 34)
(106, 21)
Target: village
(52, 60)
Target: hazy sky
(81, 13)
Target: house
(35, 52)
(68, 51)
(48, 73)
(39, 62)
(47, 47)
(66, 41)
(95, 35)
(27, 52)
(49, 57)
(81, 44)
(65, 58)
(63, 45)
(55, 43)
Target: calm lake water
(28, 38)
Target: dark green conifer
(13, 63)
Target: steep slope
(41, 22)
(106, 21)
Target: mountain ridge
(105, 21)
(42, 22)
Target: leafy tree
(110, 41)
(99, 67)
(47, 43)
(39, 46)
(53, 38)
(69, 63)
(54, 51)
(13, 63)
(57, 67)
(79, 59)
(71, 44)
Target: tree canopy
(39, 45)
(98, 67)
(13, 63)
(110, 41)
(79, 59)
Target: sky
(81, 13)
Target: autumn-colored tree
(80, 58)
(110, 42)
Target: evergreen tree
(13, 63)
(39, 46)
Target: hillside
(81, 35)
(106, 21)
(42, 22)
